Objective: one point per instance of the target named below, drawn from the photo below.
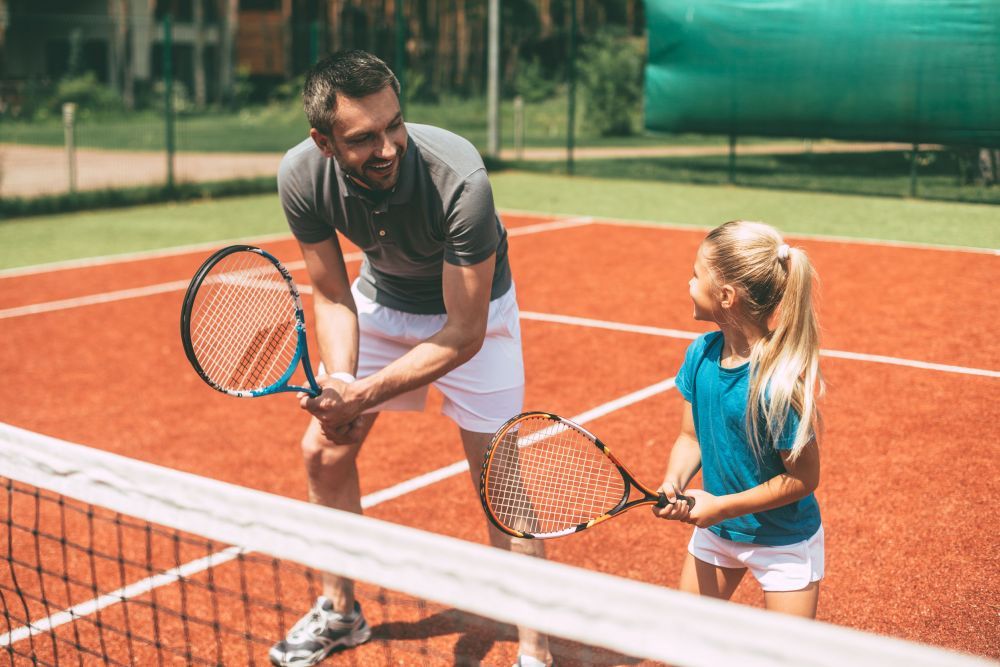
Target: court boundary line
(181, 285)
(690, 335)
(156, 253)
(832, 238)
(174, 251)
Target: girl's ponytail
(776, 288)
(785, 363)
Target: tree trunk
(335, 16)
(462, 42)
(198, 54)
(286, 39)
(545, 17)
(229, 10)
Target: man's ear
(323, 142)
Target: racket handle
(663, 502)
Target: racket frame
(650, 497)
(301, 348)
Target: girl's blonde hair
(774, 283)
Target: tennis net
(113, 561)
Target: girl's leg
(703, 578)
(798, 603)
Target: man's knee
(320, 453)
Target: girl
(750, 422)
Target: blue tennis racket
(242, 324)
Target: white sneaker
(318, 634)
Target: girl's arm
(801, 477)
(684, 464)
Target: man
(434, 302)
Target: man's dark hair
(353, 73)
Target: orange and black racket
(545, 476)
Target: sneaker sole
(356, 638)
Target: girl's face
(703, 291)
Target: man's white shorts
(481, 394)
(790, 567)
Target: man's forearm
(337, 335)
(424, 363)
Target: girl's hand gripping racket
(545, 476)
(242, 324)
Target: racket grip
(663, 502)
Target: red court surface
(910, 454)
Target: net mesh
(108, 560)
(545, 477)
(243, 323)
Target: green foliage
(532, 83)
(610, 74)
(86, 92)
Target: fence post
(168, 94)
(69, 134)
(400, 69)
(571, 76)
(493, 79)
(732, 158)
(519, 127)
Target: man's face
(368, 138)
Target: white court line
(666, 225)
(104, 260)
(114, 597)
(525, 315)
(368, 501)
(690, 335)
(121, 295)
(458, 467)
(179, 285)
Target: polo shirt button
(381, 232)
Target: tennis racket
(545, 476)
(242, 324)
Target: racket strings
(546, 477)
(243, 323)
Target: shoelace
(310, 626)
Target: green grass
(909, 220)
(278, 126)
(27, 241)
(36, 240)
(882, 173)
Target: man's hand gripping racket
(545, 476)
(242, 324)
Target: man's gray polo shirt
(441, 210)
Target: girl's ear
(728, 296)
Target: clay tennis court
(92, 355)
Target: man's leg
(333, 481)
(531, 642)
(335, 620)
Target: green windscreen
(924, 71)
